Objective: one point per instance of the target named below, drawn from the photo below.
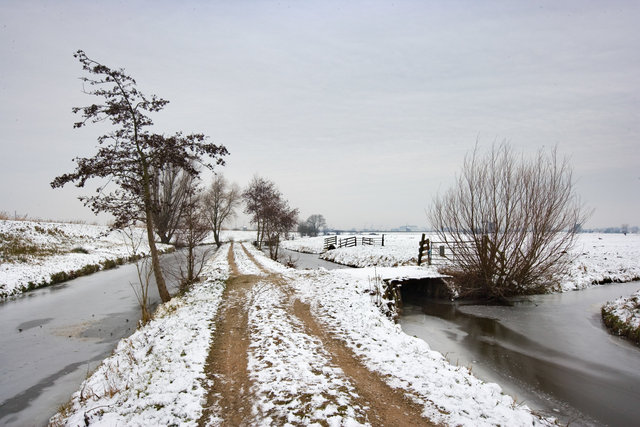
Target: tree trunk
(155, 263)
(190, 264)
(155, 259)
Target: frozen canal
(52, 338)
(551, 352)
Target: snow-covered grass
(232, 235)
(600, 258)
(398, 249)
(622, 316)
(449, 394)
(307, 245)
(36, 254)
(156, 376)
(604, 258)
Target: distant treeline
(624, 230)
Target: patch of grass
(15, 248)
(109, 264)
(63, 276)
(64, 411)
(618, 326)
(79, 250)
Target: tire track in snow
(244, 263)
(228, 401)
(293, 376)
(384, 405)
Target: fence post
(420, 249)
(428, 252)
(383, 240)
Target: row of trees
(133, 158)
(269, 212)
(155, 179)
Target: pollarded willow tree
(128, 155)
(510, 221)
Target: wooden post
(383, 240)
(420, 249)
(428, 252)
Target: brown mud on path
(387, 406)
(228, 400)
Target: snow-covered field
(232, 236)
(603, 258)
(35, 254)
(600, 257)
(156, 376)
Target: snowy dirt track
(319, 351)
(287, 347)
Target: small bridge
(407, 282)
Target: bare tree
(511, 222)
(279, 219)
(257, 197)
(304, 229)
(194, 228)
(143, 270)
(169, 187)
(220, 202)
(127, 155)
(270, 212)
(315, 223)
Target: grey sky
(361, 111)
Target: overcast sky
(360, 111)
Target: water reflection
(52, 337)
(550, 351)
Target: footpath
(272, 363)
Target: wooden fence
(348, 242)
(333, 242)
(373, 241)
(330, 241)
(438, 252)
(424, 250)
